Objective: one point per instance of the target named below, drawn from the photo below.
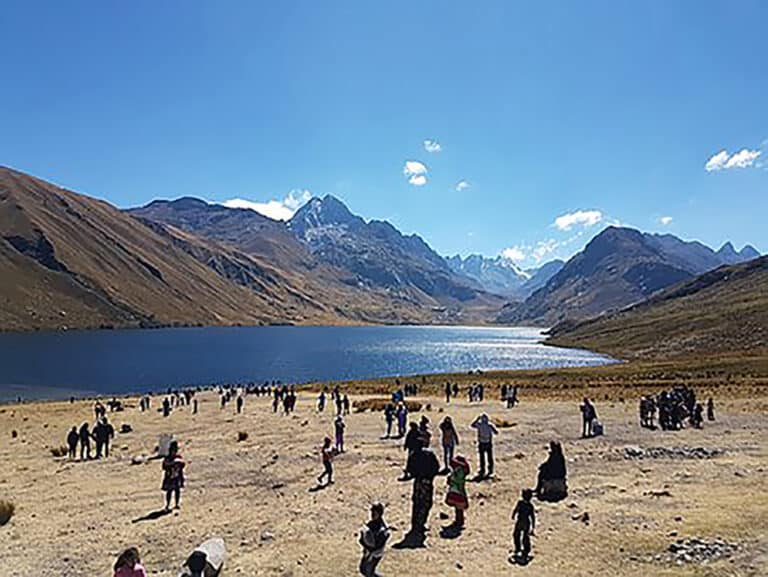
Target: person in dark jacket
(72, 438)
(85, 442)
(373, 539)
(525, 523)
(102, 433)
(412, 442)
(423, 466)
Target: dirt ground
(73, 518)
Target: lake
(60, 364)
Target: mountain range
(721, 311)
(617, 268)
(71, 261)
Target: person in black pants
(525, 523)
(72, 439)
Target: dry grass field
(72, 518)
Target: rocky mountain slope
(721, 311)
(71, 261)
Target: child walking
(525, 523)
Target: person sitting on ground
(327, 455)
(173, 475)
(129, 564)
(373, 539)
(449, 438)
(551, 483)
(485, 432)
(525, 523)
(72, 438)
(457, 492)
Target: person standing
(373, 539)
(321, 402)
(485, 432)
(525, 523)
(457, 492)
(85, 442)
(389, 417)
(449, 438)
(173, 475)
(447, 392)
(72, 439)
(710, 409)
(588, 416)
(345, 403)
(339, 427)
(240, 402)
(402, 418)
(423, 467)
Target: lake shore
(256, 493)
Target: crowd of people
(422, 465)
(674, 408)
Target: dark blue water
(50, 365)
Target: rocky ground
(641, 502)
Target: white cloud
(462, 185)
(432, 146)
(582, 217)
(665, 220)
(274, 209)
(543, 248)
(723, 161)
(513, 253)
(416, 172)
(414, 167)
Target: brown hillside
(724, 311)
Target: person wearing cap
(457, 492)
(373, 538)
(485, 432)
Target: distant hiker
(447, 392)
(102, 433)
(166, 407)
(551, 483)
(321, 402)
(389, 417)
(85, 442)
(457, 492)
(240, 402)
(327, 455)
(72, 438)
(411, 444)
(449, 439)
(422, 466)
(455, 390)
(129, 564)
(194, 406)
(345, 403)
(402, 418)
(425, 434)
(373, 539)
(99, 410)
(485, 432)
(275, 401)
(588, 416)
(512, 397)
(525, 524)
(697, 418)
(173, 475)
(504, 392)
(338, 427)
(339, 403)
(710, 409)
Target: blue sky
(605, 111)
